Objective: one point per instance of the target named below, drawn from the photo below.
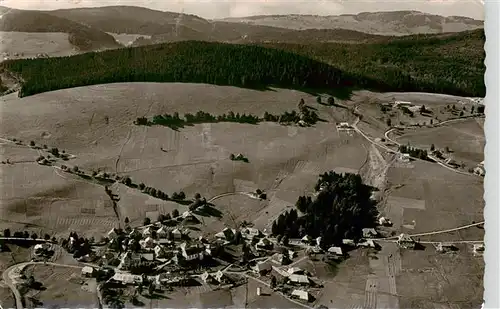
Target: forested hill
(451, 64)
(189, 61)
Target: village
(161, 256)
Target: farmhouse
(208, 278)
(478, 249)
(369, 243)
(250, 233)
(177, 234)
(384, 221)
(306, 239)
(301, 294)
(343, 126)
(479, 170)
(369, 233)
(147, 231)
(226, 234)
(262, 268)
(127, 278)
(295, 271)
(221, 277)
(264, 243)
(40, 249)
(445, 247)
(191, 253)
(337, 251)
(147, 243)
(299, 279)
(88, 271)
(348, 242)
(404, 157)
(162, 232)
(405, 241)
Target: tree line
(174, 121)
(341, 210)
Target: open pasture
(435, 199)
(465, 138)
(62, 287)
(15, 45)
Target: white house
(160, 251)
(41, 248)
(335, 251)
(162, 232)
(113, 233)
(250, 233)
(147, 232)
(147, 243)
(177, 234)
(226, 234)
(295, 271)
(191, 253)
(301, 294)
(262, 268)
(306, 239)
(369, 233)
(405, 241)
(348, 242)
(299, 279)
(87, 271)
(369, 243)
(264, 243)
(126, 278)
(208, 278)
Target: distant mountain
(170, 27)
(382, 23)
(82, 37)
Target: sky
(213, 9)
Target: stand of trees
(175, 121)
(341, 210)
(414, 152)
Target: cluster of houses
(344, 126)
(479, 169)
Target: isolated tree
(45, 147)
(446, 149)
(422, 109)
(182, 195)
(231, 156)
(75, 169)
(197, 196)
(388, 122)
(331, 100)
(127, 181)
(46, 237)
(274, 281)
(286, 241)
(147, 221)
(142, 186)
(461, 113)
(472, 109)
(6, 233)
(318, 99)
(94, 173)
(168, 217)
(175, 213)
(34, 236)
(127, 220)
(433, 147)
(32, 143)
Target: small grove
(341, 210)
(175, 121)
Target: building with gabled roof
(262, 268)
(264, 243)
(299, 279)
(226, 234)
(127, 278)
(301, 294)
(405, 241)
(335, 251)
(295, 271)
(88, 271)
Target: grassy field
(14, 45)
(64, 287)
(283, 161)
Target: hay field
(64, 287)
(96, 124)
(466, 138)
(16, 45)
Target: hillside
(80, 36)
(451, 64)
(383, 23)
(171, 27)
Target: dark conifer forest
(450, 64)
(341, 210)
